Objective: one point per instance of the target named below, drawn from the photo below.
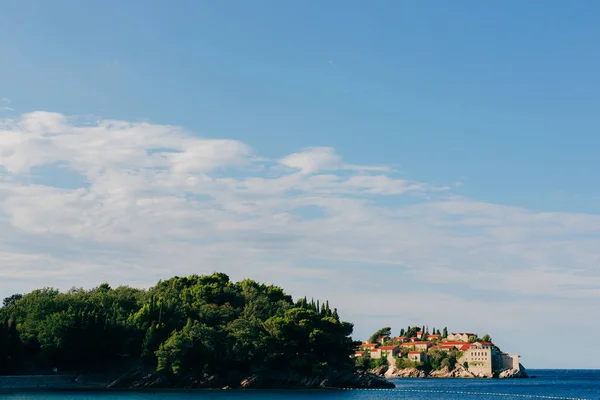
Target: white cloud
(160, 201)
(203, 156)
(3, 104)
(319, 159)
(313, 160)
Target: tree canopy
(183, 325)
(387, 331)
(412, 331)
(486, 338)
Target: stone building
(417, 356)
(367, 346)
(483, 358)
(504, 361)
(420, 346)
(460, 337)
(478, 358)
(385, 352)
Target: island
(184, 332)
(421, 353)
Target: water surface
(557, 384)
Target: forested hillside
(193, 325)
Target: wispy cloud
(4, 101)
(158, 201)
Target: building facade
(387, 351)
(416, 356)
(506, 361)
(417, 346)
(479, 360)
(460, 337)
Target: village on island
(418, 353)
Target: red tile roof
(465, 347)
(375, 350)
(368, 345)
(388, 347)
(411, 344)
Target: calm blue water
(564, 384)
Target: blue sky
(450, 147)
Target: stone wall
(507, 361)
(480, 361)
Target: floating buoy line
(525, 396)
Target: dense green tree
(438, 359)
(10, 348)
(387, 331)
(11, 300)
(412, 331)
(450, 360)
(445, 334)
(435, 358)
(364, 363)
(486, 338)
(184, 325)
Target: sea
(547, 384)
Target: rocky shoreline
(138, 379)
(457, 372)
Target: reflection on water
(557, 384)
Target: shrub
(435, 358)
(380, 362)
(405, 363)
(363, 363)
